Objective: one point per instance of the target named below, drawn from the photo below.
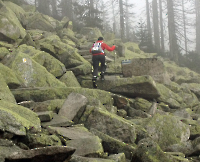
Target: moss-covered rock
(42, 140)
(3, 52)
(69, 79)
(166, 130)
(95, 97)
(28, 41)
(10, 26)
(169, 97)
(141, 104)
(114, 146)
(9, 76)
(5, 93)
(112, 125)
(194, 87)
(139, 86)
(29, 72)
(17, 119)
(91, 33)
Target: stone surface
(120, 157)
(140, 86)
(45, 116)
(17, 119)
(76, 158)
(146, 66)
(118, 127)
(114, 146)
(9, 76)
(74, 106)
(47, 154)
(58, 121)
(69, 79)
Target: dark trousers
(96, 59)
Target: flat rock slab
(112, 125)
(118, 157)
(58, 121)
(72, 132)
(46, 154)
(90, 146)
(140, 86)
(73, 106)
(45, 116)
(145, 66)
(76, 158)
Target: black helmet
(100, 38)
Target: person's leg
(103, 66)
(95, 61)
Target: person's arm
(105, 46)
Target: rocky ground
(147, 109)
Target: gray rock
(114, 146)
(45, 116)
(74, 106)
(122, 113)
(137, 113)
(120, 157)
(76, 158)
(58, 121)
(47, 154)
(139, 86)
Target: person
(98, 55)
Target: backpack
(97, 48)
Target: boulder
(10, 28)
(41, 140)
(149, 151)
(194, 87)
(166, 130)
(5, 93)
(82, 69)
(49, 105)
(47, 154)
(9, 76)
(141, 104)
(137, 113)
(120, 101)
(122, 113)
(120, 157)
(92, 34)
(120, 47)
(17, 119)
(28, 41)
(69, 79)
(118, 127)
(140, 86)
(114, 146)
(169, 97)
(29, 72)
(57, 121)
(90, 146)
(45, 116)
(76, 158)
(3, 52)
(73, 106)
(37, 20)
(97, 98)
(145, 66)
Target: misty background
(166, 27)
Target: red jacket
(103, 46)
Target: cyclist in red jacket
(98, 55)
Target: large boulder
(9, 76)
(194, 87)
(118, 127)
(46, 154)
(140, 86)
(96, 98)
(74, 106)
(166, 130)
(37, 20)
(17, 119)
(76, 158)
(10, 28)
(92, 34)
(69, 79)
(5, 93)
(29, 72)
(145, 66)
(3, 52)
